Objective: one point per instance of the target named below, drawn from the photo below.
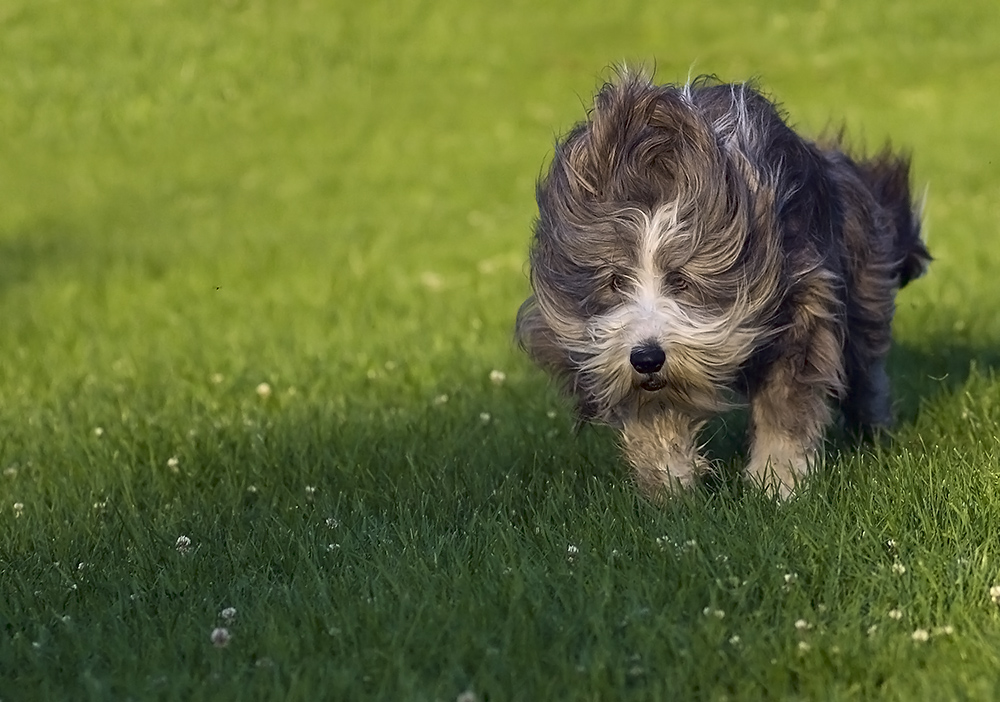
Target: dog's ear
(538, 340)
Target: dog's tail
(887, 174)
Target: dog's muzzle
(648, 359)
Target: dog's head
(650, 283)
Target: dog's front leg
(788, 418)
(789, 410)
(660, 445)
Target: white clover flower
(497, 377)
(183, 544)
(898, 568)
(791, 578)
(484, 417)
(896, 614)
(98, 431)
(229, 613)
(220, 637)
(440, 400)
(920, 635)
(310, 491)
(173, 463)
(995, 593)
(571, 551)
(717, 613)
(872, 629)
(802, 625)
(804, 646)
(18, 508)
(734, 640)
(264, 390)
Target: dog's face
(647, 285)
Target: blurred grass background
(335, 199)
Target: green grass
(336, 199)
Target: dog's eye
(675, 282)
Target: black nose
(648, 358)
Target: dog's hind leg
(661, 446)
(867, 405)
(885, 252)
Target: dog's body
(692, 251)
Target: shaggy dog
(693, 253)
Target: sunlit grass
(259, 265)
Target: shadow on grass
(86, 249)
(516, 440)
(23, 252)
(529, 438)
(941, 365)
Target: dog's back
(745, 119)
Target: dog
(693, 254)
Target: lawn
(259, 266)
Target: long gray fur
(691, 223)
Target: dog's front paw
(660, 483)
(662, 453)
(779, 474)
